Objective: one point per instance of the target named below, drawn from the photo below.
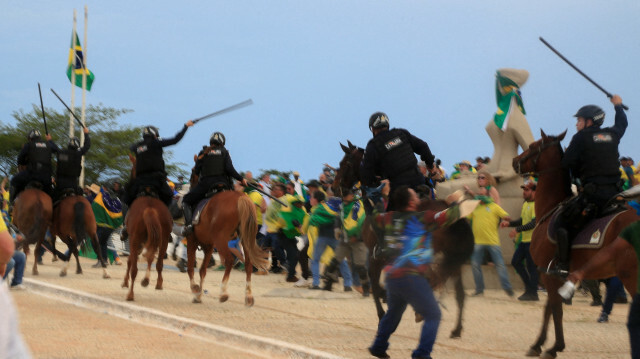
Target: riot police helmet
(592, 112)
(217, 139)
(74, 143)
(150, 132)
(34, 135)
(378, 120)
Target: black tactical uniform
(592, 159)
(150, 169)
(69, 166)
(390, 154)
(214, 168)
(36, 157)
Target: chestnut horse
(73, 222)
(32, 214)
(543, 159)
(227, 215)
(452, 245)
(149, 225)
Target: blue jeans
(321, 244)
(527, 270)
(496, 256)
(633, 324)
(17, 263)
(413, 290)
(614, 289)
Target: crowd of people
(305, 225)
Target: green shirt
(631, 234)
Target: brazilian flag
(76, 52)
(512, 92)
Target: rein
(536, 153)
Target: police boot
(329, 275)
(188, 214)
(562, 265)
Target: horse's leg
(65, 261)
(457, 331)
(163, 251)
(132, 267)
(133, 253)
(536, 349)
(248, 268)
(555, 301)
(191, 259)
(34, 271)
(208, 251)
(147, 273)
(375, 269)
(228, 265)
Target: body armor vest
(39, 157)
(600, 156)
(213, 162)
(149, 158)
(69, 163)
(396, 154)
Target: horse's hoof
(248, 301)
(224, 298)
(533, 352)
(455, 334)
(196, 300)
(195, 289)
(125, 285)
(63, 273)
(145, 282)
(106, 276)
(159, 286)
(548, 355)
(129, 298)
(79, 271)
(34, 272)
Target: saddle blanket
(590, 237)
(198, 211)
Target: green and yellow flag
(76, 51)
(511, 92)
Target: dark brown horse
(149, 225)
(543, 159)
(74, 221)
(32, 214)
(227, 215)
(452, 246)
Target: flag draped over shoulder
(76, 51)
(511, 93)
(107, 210)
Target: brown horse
(149, 225)
(227, 215)
(452, 246)
(543, 159)
(32, 214)
(74, 221)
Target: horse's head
(542, 155)
(349, 172)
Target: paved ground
(85, 316)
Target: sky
(316, 70)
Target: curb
(178, 324)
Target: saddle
(67, 192)
(217, 188)
(591, 236)
(148, 191)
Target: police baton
(580, 72)
(265, 193)
(65, 105)
(46, 131)
(225, 110)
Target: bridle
(536, 153)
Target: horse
(32, 214)
(74, 221)
(543, 159)
(149, 225)
(452, 246)
(226, 215)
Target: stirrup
(187, 230)
(556, 270)
(377, 252)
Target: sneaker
(315, 287)
(19, 287)
(182, 265)
(529, 297)
(509, 292)
(118, 261)
(604, 318)
(301, 283)
(220, 268)
(379, 353)
(477, 294)
(97, 265)
(348, 289)
(275, 270)
(293, 279)
(596, 303)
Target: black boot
(188, 214)
(562, 265)
(124, 235)
(330, 274)
(365, 289)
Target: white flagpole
(73, 72)
(84, 91)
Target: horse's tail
(248, 230)
(154, 232)
(37, 230)
(78, 222)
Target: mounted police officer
(36, 157)
(214, 169)
(390, 154)
(592, 159)
(150, 169)
(69, 165)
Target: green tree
(108, 157)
